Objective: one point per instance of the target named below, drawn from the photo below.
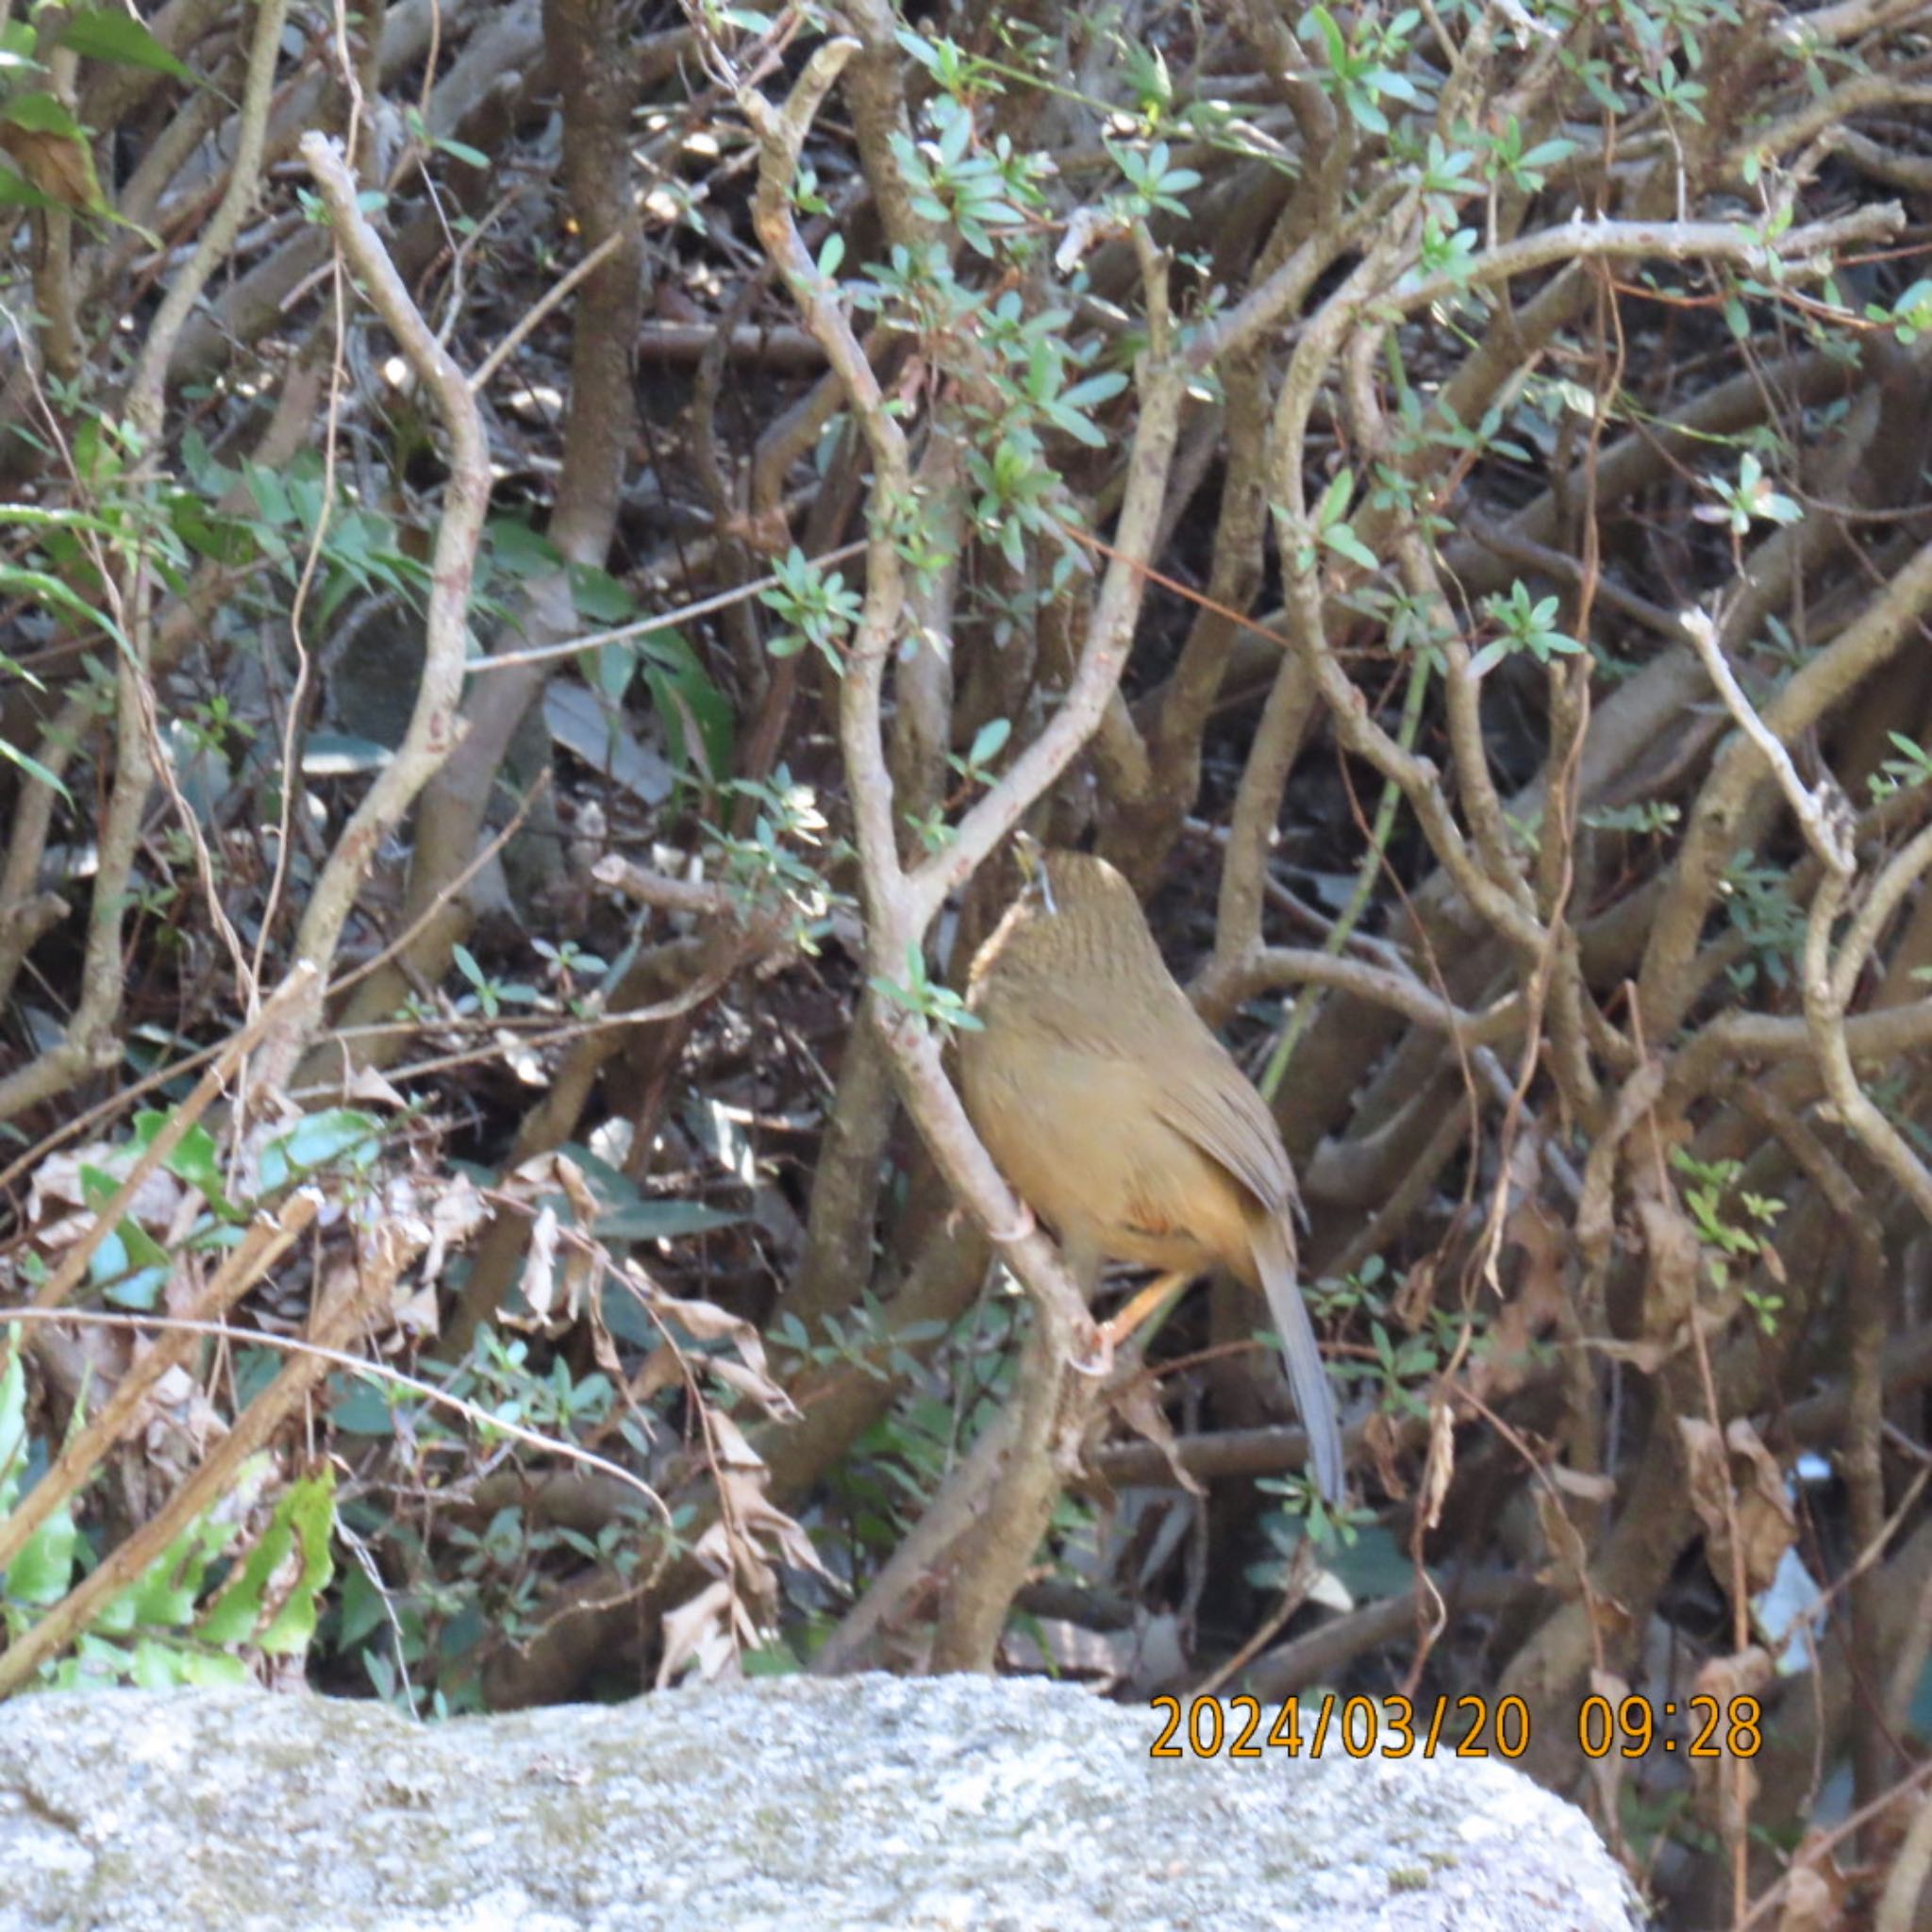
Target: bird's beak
(1031, 856)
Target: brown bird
(1120, 1118)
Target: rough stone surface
(868, 1803)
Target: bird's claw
(1100, 1363)
(1021, 1228)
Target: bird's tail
(1275, 1261)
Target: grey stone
(905, 1806)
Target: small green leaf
(16, 191)
(34, 769)
(519, 551)
(1335, 499)
(988, 741)
(42, 113)
(271, 499)
(195, 1158)
(647, 1221)
(109, 34)
(44, 1570)
(1338, 536)
(320, 1140)
(599, 597)
(304, 1517)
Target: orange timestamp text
(1360, 1726)
(1467, 1726)
(1631, 1727)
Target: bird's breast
(1077, 1134)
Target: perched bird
(1119, 1119)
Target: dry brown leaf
(457, 1210)
(737, 1560)
(1817, 1893)
(759, 1514)
(1569, 1558)
(1439, 1464)
(368, 1084)
(707, 1632)
(1727, 1786)
(1737, 1465)
(1766, 1522)
(60, 166)
(1584, 1484)
(1415, 1300)
(1384, 1441)
(1676, 1267)
(663, 1368)
(58, 1185)
(1135, 1403)
(176, 1425)
(1606, 1772)
(752, 1382)
(729, 1448)
(540, 1270)
(576, 1189)
(703, 1321)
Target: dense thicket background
(1435, 493)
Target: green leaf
(518, 551)
(165, 1597)
(1333, 45)
(130, 1266)
(1095, 388)
(44, 1572)
(362, 1609)
(610, 668)
(109, 34)
(195, 1159)
(34, 769)
(661, 1221)
(271, 499)
(684, 698)
(157, 1666)
(12, 1421)
(988, 741)
(42, 113)
(599, 597)
(304, 1518)
(1338, 536)
(360, 1411)
(338, 1133)
(45, 589)
(16, 191)
(1335, 498)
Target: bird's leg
(1143, 1305)
(1083, 1261)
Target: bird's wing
(1313, 1397)
(1213, 1102)
(1196, 1088)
